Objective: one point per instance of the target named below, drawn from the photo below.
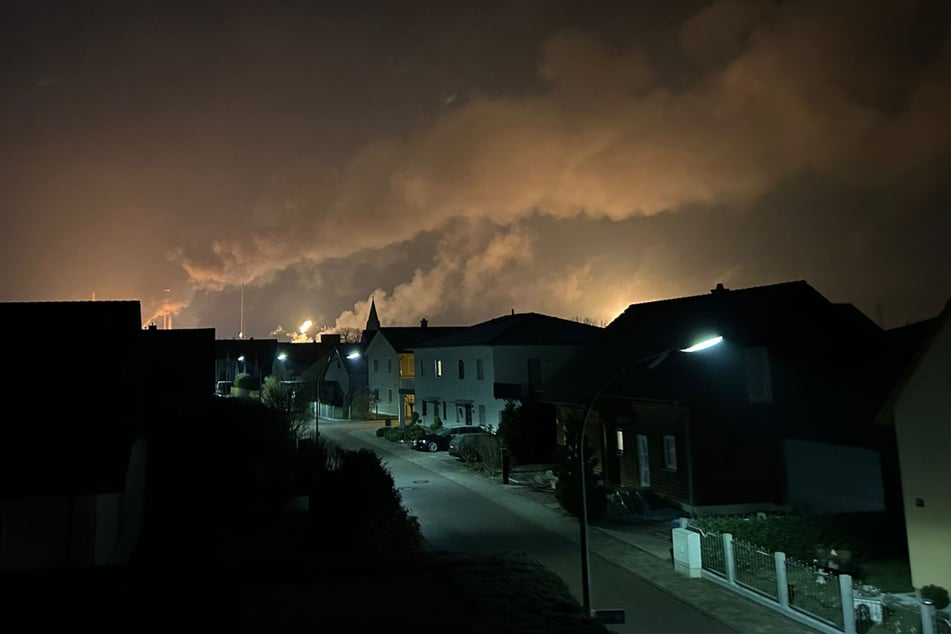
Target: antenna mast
(241, 332)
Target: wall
(386, 382)
(922, 415)
(449, 387)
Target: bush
(568, 486)
(247, 382)
(393, 434)
(361, 506)
(381, 432)
(414, 431)
(866, 535)
(937, 595)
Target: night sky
(457, 160)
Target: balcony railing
(407, 384)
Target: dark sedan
(439, 440)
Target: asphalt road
(457, 513)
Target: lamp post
(658, 357)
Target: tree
(291, 405)
(350, 335)
(568, 472)
(527, 429)
(363, 401)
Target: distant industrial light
(703, 345)
(241, 358)
(353, 355)
(282, 356)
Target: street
(462, 510)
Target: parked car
(462, 446)
(440, 440)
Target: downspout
(686, 423)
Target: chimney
(719, 289)
(423, 322)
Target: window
(422, 368)
(424, 408)
(444, 410)
(643, 461)
(620, 441)
(480, 372)
(462, 369)
(389, 396)
(338, 364)
(670, 453)
(389, 366)
(438, 367)
(376, 365)
(482, 414)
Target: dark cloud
(453, 161)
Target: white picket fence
(808, 594)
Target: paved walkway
(642, 549)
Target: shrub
(414, 431)
(937, 595)
(361, 506)
(393, 434)
(568, 486)
(381, 432)
(247, 382)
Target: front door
(643, 462)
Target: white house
(391, 366)
(467, 376)
(920, 410)
(346, 372)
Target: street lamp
(656, 358)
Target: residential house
(777, 416)
(466, 377)
(68, 471)
(919, 410)
(300, 365)
(233, 357)
(344, 376)
(391, 366)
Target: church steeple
(373, 322)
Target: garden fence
(814, 596)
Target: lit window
(620, 441)
(670, 453)
(438, 368)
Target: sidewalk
(642, 549)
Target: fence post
(927, 617)
(782, 584)
(848, 603)
(728, 561)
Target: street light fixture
(655, 359)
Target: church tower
(373, 323)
